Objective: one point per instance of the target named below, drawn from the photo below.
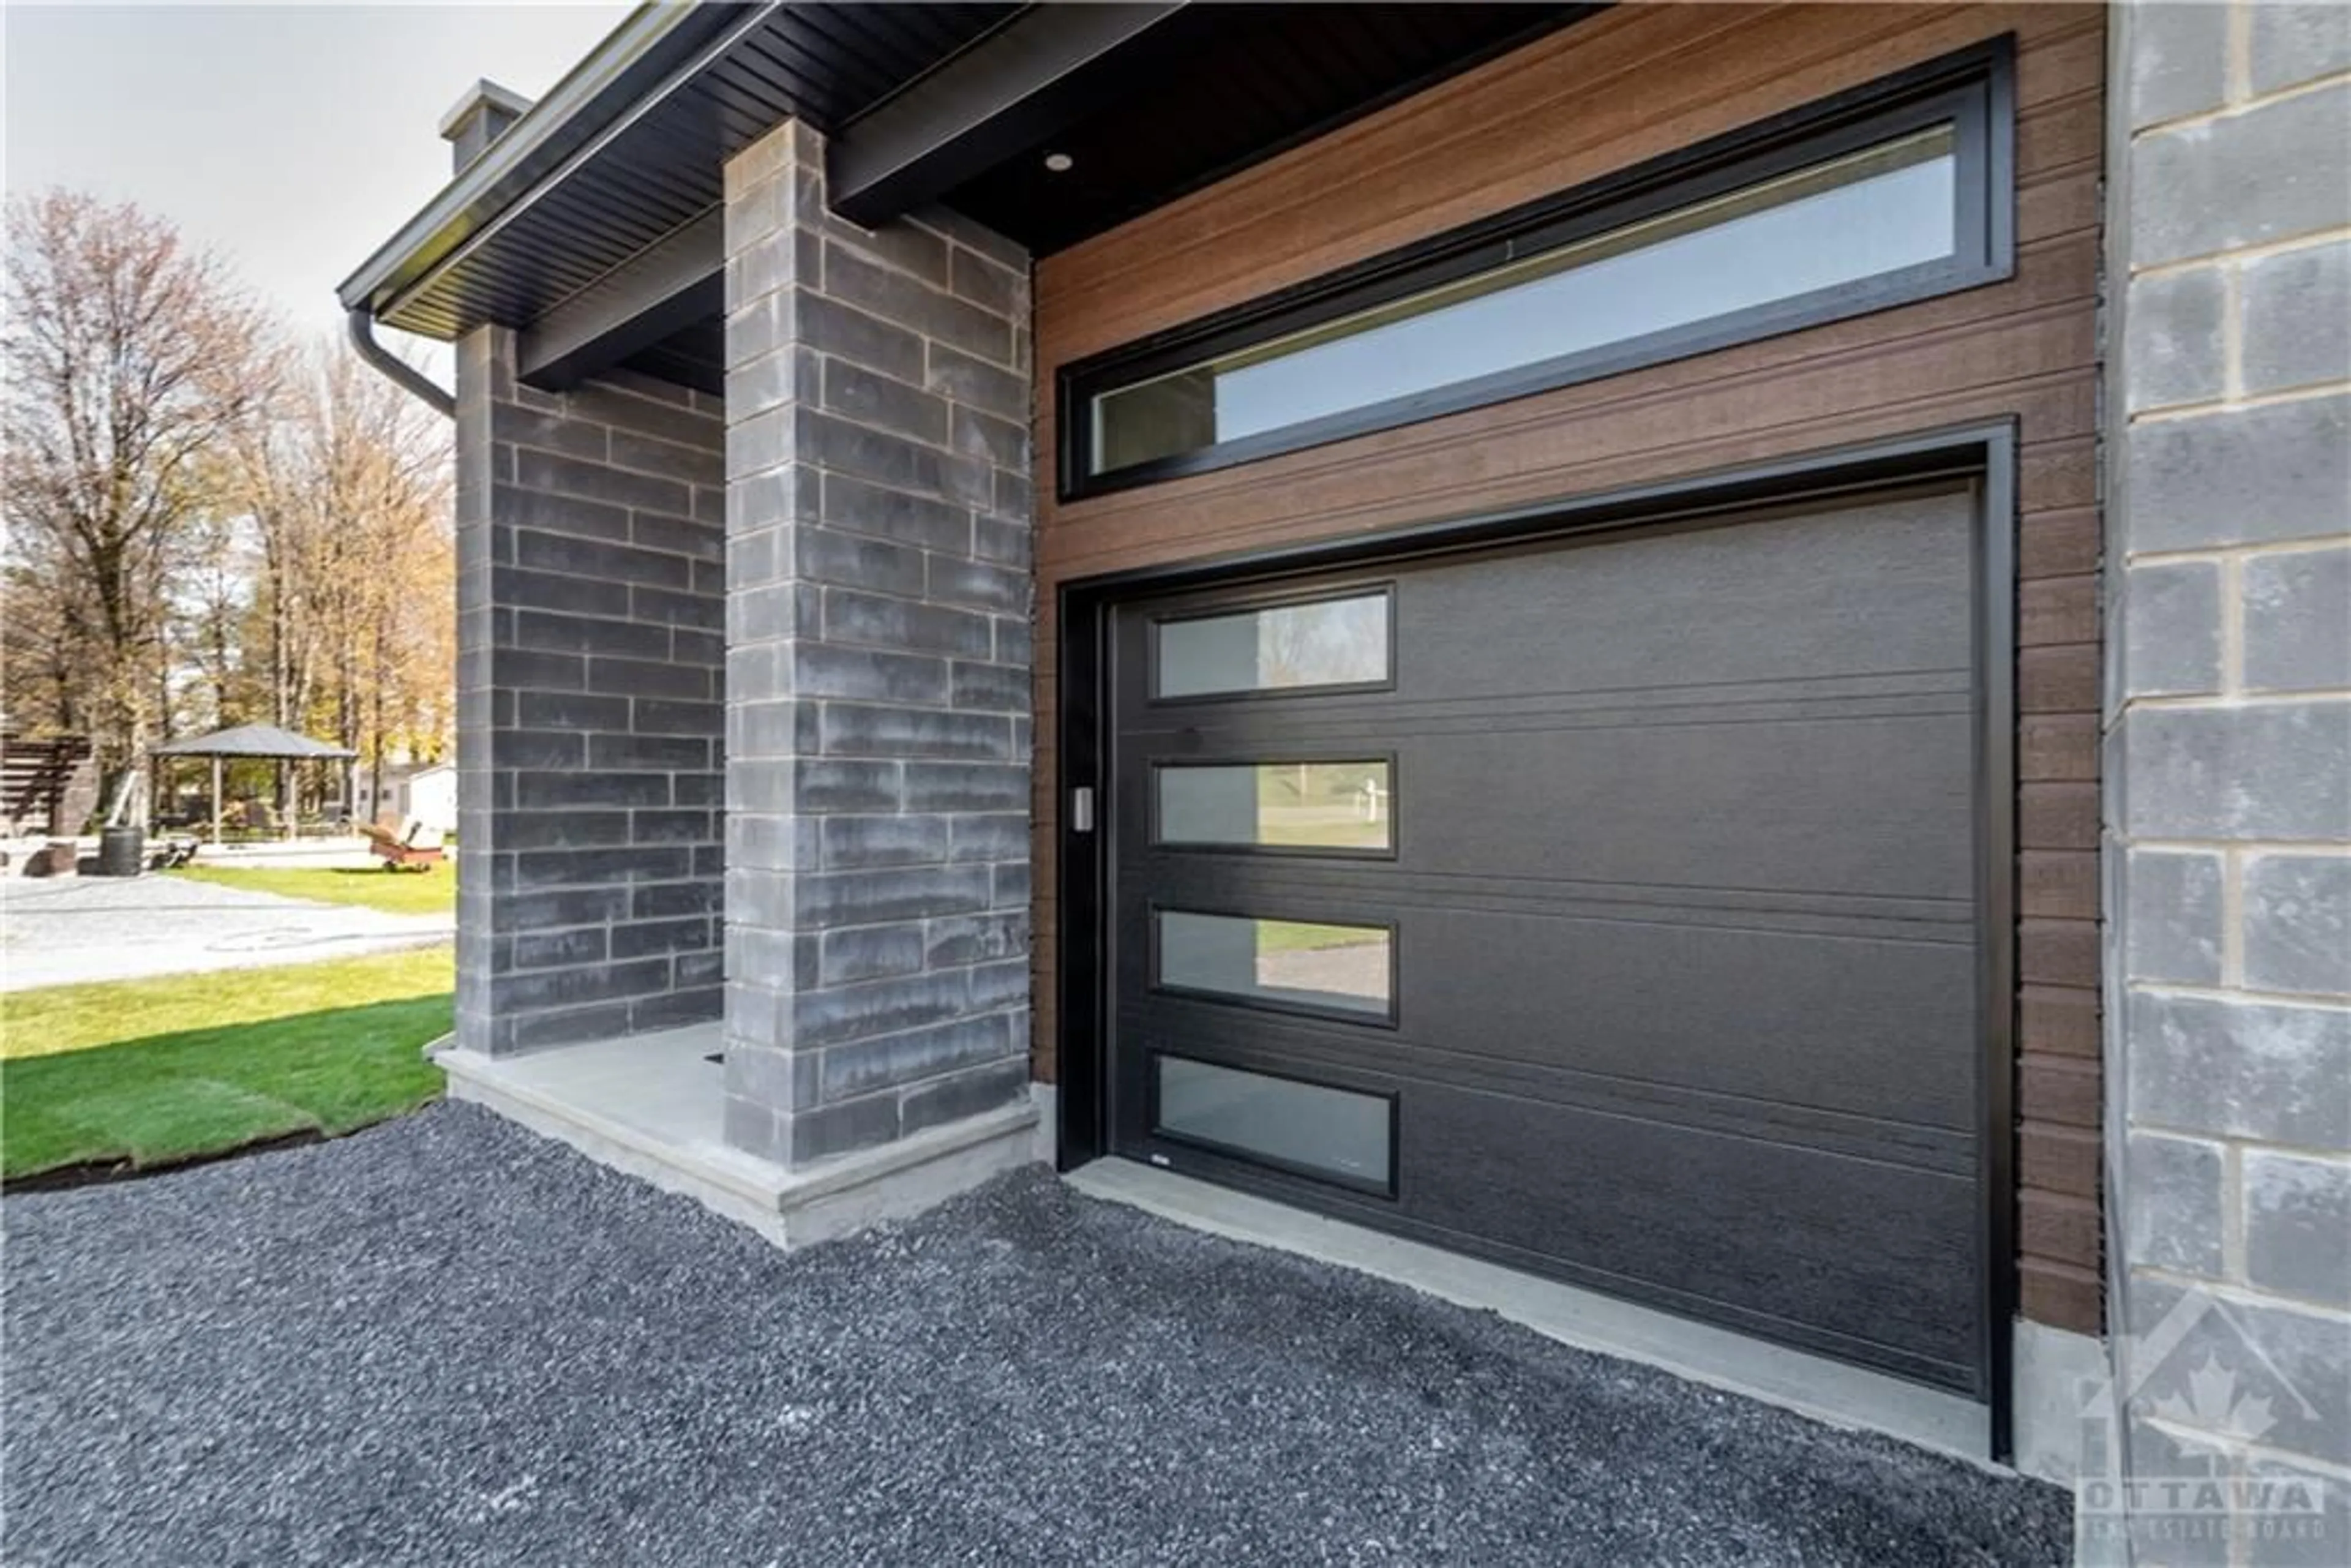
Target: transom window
(1886, 201)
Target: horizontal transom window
(1881, 205)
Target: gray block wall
(2229, 797)
(877, 667)
(591, 683)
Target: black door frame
(1985, 451)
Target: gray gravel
(446, 1341)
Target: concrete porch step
(650, 1105)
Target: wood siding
(1627, 86)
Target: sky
(290, 139)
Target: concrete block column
(2229, 785)
(877, 667)
(590, 598)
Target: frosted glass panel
(1280, 805)
(1331, 643)
(1295, 961)
(1305, 1125)
(1835, 224)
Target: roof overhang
(619, 74)
(593, 224)
(628, 148)
(1030, 79)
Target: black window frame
(1973, 89)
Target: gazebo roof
(252, 740)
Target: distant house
(425, 793)
(1807, 520)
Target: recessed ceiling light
(1058, 162)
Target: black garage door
(1607, 909)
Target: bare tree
(129, 357)
(381, 462)
(216, 591)
(345, 494)
(203, 528)
(42, 636)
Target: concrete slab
(341, 854)
(652, 1106)
(72, 930)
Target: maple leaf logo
(2214, 1405)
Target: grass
(1301, 936)
(1351, 834)
(433, 891)
(144, 1074)
(59, 1018)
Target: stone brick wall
(878, 666)
(591, 611)
(2229, 734)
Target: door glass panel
(1331, 643)
(1332, 1131)
(1283, 805)
(1295, 963)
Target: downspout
(485, 113)
(409, 379)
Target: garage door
(1607, 909)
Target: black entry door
(1608, 909)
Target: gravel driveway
(74, 929)
(446, 1341)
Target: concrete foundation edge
(2056, 1373)
(790, 1209)
(1048, 1100)
(2048, 1366)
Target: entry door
(1609, 910)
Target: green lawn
(1304, 936)
(150, 1073)
(433, 891)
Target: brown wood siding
(1634, 83)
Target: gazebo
(262, 742)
